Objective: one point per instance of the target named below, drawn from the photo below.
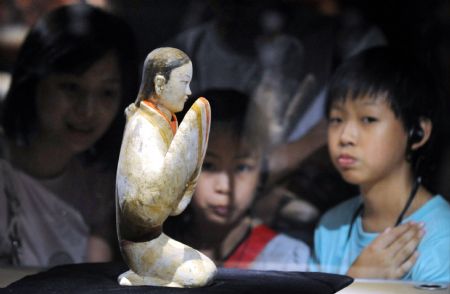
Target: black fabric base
(102, 278)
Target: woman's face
(228, 180)
(75, 110)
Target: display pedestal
(102, 278)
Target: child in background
(218, 221)
(383, 122)
(62, 119)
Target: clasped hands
(391, 255)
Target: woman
(61, 119)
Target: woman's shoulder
(4, 150)
(7, 171)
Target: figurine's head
(166, 77)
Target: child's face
(226, 186)
(366, 141)
(74, 110)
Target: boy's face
(227, 183)
(366, 141)
(176, 90)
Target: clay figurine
(157, 171)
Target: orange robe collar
(172, 122)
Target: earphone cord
(413, 193)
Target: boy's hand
(391, 255)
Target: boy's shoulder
(342, 212)
(436, 210)
(440, 202)
(436, 205)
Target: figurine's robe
(156, 177)
(157, 169)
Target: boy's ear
(159, 82)
(426, 127)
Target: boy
(383, 122)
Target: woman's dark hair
(69, 39)
(408, 87)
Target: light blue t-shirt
(335, 251)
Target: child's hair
(159, 61)
(227, 106)
(407, 86)
(69, 39)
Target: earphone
(415, 134)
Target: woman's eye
(110, 93)
(70, 87)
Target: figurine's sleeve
(186, 199)
(139, 172)
(185, 156)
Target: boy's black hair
(69, 39)
(406, 84)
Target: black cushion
(102, 278)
